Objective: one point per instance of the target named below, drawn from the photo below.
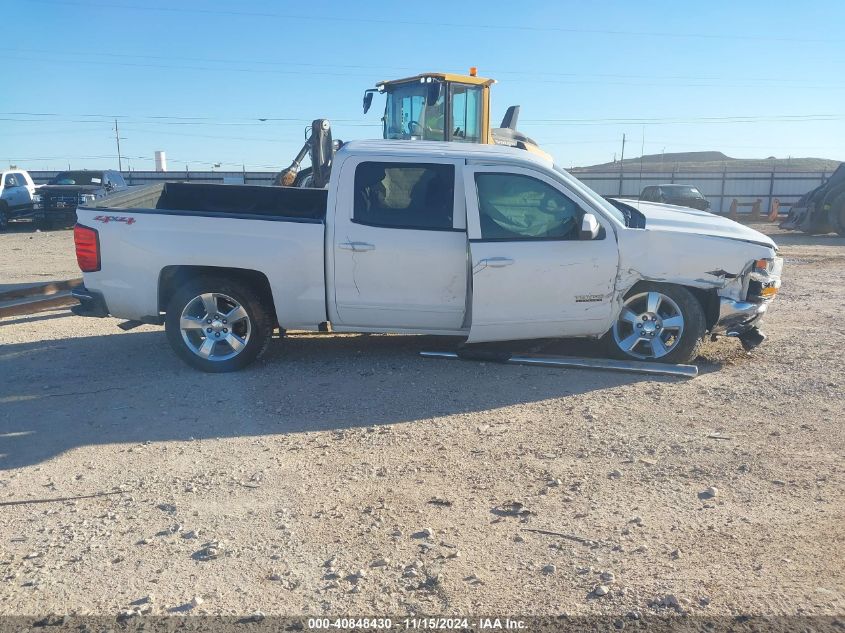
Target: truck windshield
(77, 178)
(407, 115)
(592, 195)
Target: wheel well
(172, 277)
(709, 301)
(707, 297)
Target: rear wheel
(217, 324)
(658, 322)
(4, 217)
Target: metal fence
(720, 187)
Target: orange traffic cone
(775, 210)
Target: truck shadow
(58, 395)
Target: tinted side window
(517, 207)
(405, 195)
(12, 180)
(117, 179)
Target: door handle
(357, 247)
(496, 262)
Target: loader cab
(435, 107)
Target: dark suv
(681, 195)
(56, 202)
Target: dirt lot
(29, 257)
(346, 475)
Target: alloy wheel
(649, 326)
(215, 326)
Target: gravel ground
(28, 256)
(347, 475)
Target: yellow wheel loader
(428, 107)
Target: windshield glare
(77, 178)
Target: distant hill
(713, 161)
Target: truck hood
(69, 189)
(667, 217)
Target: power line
(438, 24)
(523, 74)
(633, 79)
(49, 117)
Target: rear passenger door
(398, 245)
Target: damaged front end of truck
(734, 278)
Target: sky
(236, 83)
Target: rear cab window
(405, 195)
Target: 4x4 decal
(105, 219)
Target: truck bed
(217, 200)
(147, 233)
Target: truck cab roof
(473, 152)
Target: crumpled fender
(697, 261)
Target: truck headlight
(764, 266)
(85, 198)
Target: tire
(237, 343)
(303, 178)
(43, 224)
(671, 333)
(837, 214)
(4, 217)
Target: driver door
(532, 277)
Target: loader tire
(837, 214)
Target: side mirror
(589, 227)
(368, 100)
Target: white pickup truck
(483, 242)
(17, 192)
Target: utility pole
(622, 164)
(642, 151)
(117, 138)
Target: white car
(483, 242)
(17, 192)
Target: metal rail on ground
(640, 367)
(38, 298)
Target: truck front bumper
(91, 303)
(736, 317)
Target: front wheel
(217, 325)
(658, 322)
(4, 218)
